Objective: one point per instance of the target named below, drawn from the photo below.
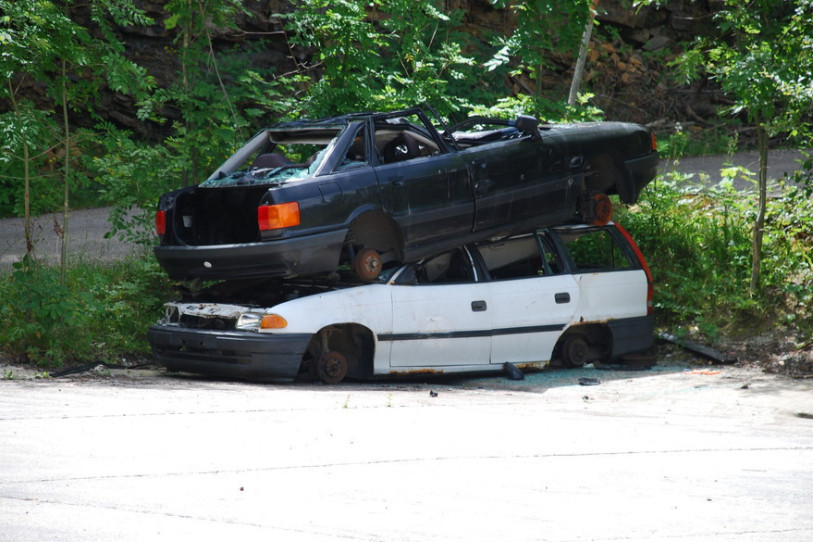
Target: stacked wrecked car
(375, 244)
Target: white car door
(612, 283)
(529, 304)
(440, 319)
(529, 315)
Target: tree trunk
(759, 225)
(63, 233)
(578, 72)
(29, 241)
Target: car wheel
(367, 264)
(575, 351)
(603, 210)
(331, 367)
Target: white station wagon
(570, 293)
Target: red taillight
(653, 141)
(161, 222)
(650, 283)
(274, 217)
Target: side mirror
(528, 124)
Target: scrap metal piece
(698, 348)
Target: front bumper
(235, 354)
(306, 255)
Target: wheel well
(354, 341)
(598, 336)
(376, 230)
(603, 174)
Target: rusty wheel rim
(604, 210)
(331, 367)
(368, 264)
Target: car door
(426, 190)
(440, 315)
(612, 281)
(531, 301)
(519, 180)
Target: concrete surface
(86, 238)
(668, 454)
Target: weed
(698, 244)
(98, 312)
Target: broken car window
(596, 250)
(520, 257)
(449, 267)
(285, 156)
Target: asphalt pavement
(674, 453)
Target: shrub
(698, 244)
(100, 312)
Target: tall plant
(43, 47)
(381, 54)
(763, 59)
(543, 28)
(221, 99)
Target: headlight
(249, 321)
(252, 321)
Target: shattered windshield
(277, 156)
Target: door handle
(398, 181)
(562, 297)
(478, 306)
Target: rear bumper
(307, 255)
(632, 335)
(235, 354)
(641, 171)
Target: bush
(698, 245)
(100, 312)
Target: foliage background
(113, 102)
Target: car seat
(403, 147)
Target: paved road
(667, 454)
(87, 229)
(780, 163)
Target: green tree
(382, 54)
(221, 99)
(42, 47)
(763, 59)
(543, 28)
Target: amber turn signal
(273, 321)
(274, 217)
